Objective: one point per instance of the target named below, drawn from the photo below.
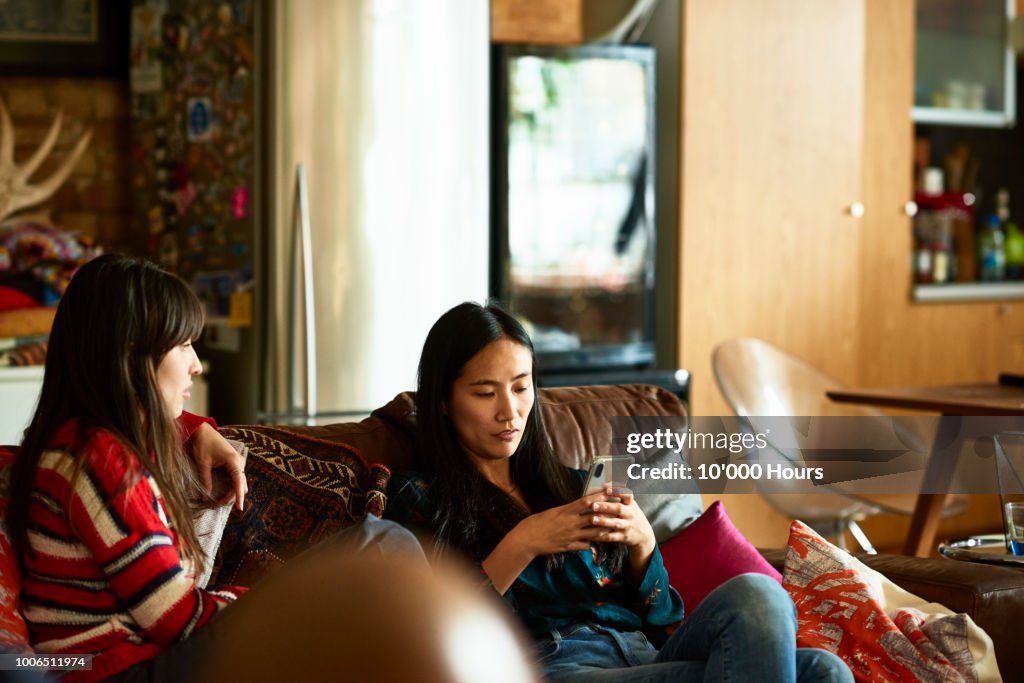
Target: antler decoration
(15, 191)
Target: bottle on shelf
(943, 265)
(1013, 249)
(1013, 241)
(938, 241)
(922, 248)
(991, 257)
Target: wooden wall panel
(771, 130)
(770, 158)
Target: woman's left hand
(625, 523)
(624, 520)
(210, 450)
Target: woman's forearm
(506, 562)
(639, 560)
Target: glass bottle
(941, 246)
(1013, 249)
(991, 257)
(922, 247)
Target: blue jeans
(745, 630)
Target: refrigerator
(385, 106)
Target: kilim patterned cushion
(301, 490)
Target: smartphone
(605, 470)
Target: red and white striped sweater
(104, 575)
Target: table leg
(924, 524)
(938, 475)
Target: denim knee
(761, 597)
(814, 665)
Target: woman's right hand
(561, 529)
(557, 530)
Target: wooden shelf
(969, 291)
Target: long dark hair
(471, 514)
(114, 324)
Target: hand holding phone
(605, 471)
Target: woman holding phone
(583, 573)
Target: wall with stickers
(193, 111)
(192, 108)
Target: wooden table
(951, 400)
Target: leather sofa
(578, 420)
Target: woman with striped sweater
(104, 492)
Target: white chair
(759, 380)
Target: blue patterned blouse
(582, 591)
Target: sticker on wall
(156, 220)
(183, 38)
(198, 118)
(219, 235)
(172, 24)
(145, 106)
(224, 14)
(240, 309)
(184, 196)
(244, 51)
(195, 239)
(242, 8)
(234, 90)
(168, 251)
(240, 203)
(214, 289)
(146, 72)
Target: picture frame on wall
(64, 38)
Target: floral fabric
(881, 631)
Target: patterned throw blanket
(881, 631)
(301, 490)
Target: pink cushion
(709, 552)
(13, 633)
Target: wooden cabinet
(773, 97)
(792, 111)
(965, 63)
(901, 342)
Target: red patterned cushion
(707, 553)
(301, 490)
(882, 632)
(13, 633)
